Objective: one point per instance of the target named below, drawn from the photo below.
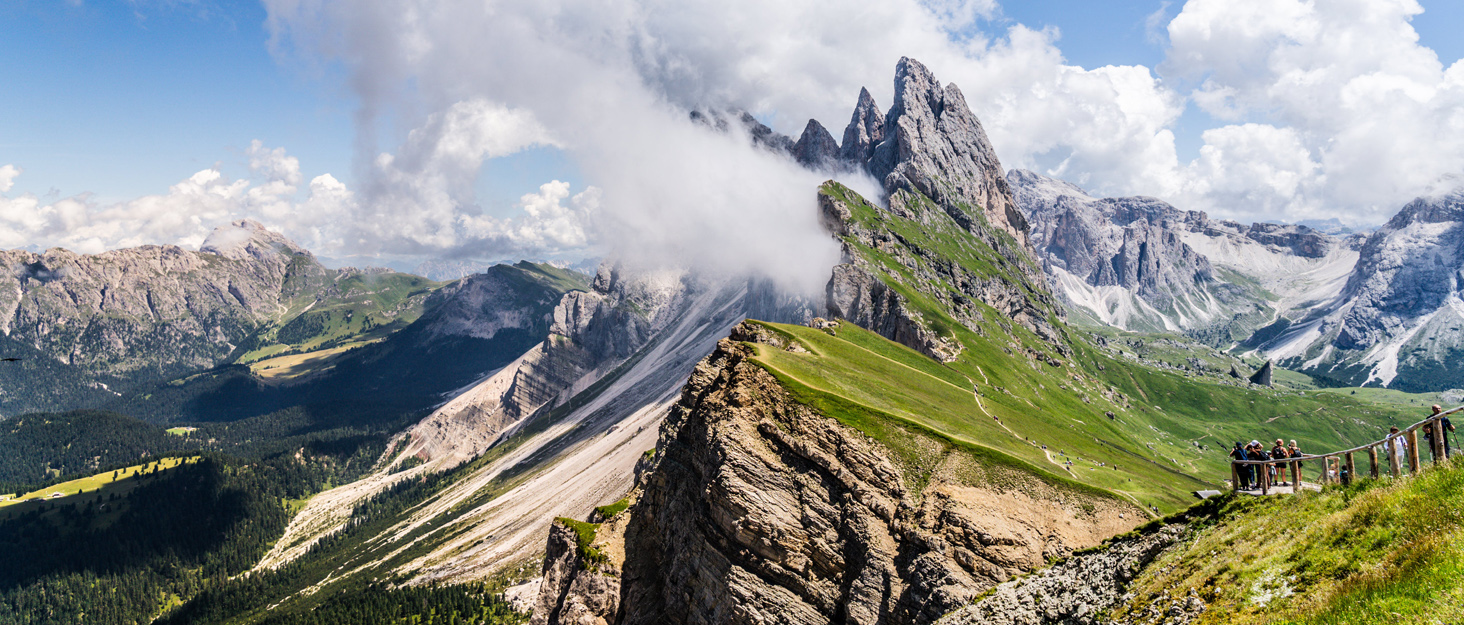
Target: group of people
(1280, 452)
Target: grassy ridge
(1097, 413)
(1147, 452)
(1385, 551)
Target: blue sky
(123, 99)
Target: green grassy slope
(1379, 551)
(1012, 392)
(354, 308)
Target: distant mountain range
(1347, 308)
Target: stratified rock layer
(758, 509)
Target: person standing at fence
(1242, 472)
(1448, 427)
(1278, 452)
(1400, 447)
(1294, 452)
(1257, 452)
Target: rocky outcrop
(858, 290)
(855, 294)
(581, 583)
(758, 509)
(1262, 376)
(865, 130)
(1075, 591)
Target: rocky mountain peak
(933, 144)
(1033, 189)
(245, 239)
(1429, 210)
(865, 130)
(816, 148)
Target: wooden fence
(1335, 462)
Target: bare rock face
(1397, 321)
(1408, 268)
(865, 130)
(855, 293)
(1176, 270)
(858, 296)
(577, 588)
(933, 144)
(150, 312)
(756, 509)
(816, 148)
(1262, 376)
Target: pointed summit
(865, 130)
(246, 238)
(933, 144)
(816, 148)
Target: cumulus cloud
(1361, 116)
(7, 177)
(612, 83)
(1324, 108)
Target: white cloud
(1378, 115)
(1257, 169)
(612, 83)
(547, 225)
(1326, 108)
(7, 177)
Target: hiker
(1294, 452)
(1278, 452)
(1243, 472)
(1257, 453)
(1448, 427)
(1400, 448)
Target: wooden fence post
(1372, 459)
(1437, 429)
(1413, 461)
(1391, 446)
(1351, 468)
(1234, 476)
(1326, 469)
(1295, 476)
(1265, 478)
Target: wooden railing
(1344, 459)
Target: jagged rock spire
(935, 145)
(865, 130)
(816, 148)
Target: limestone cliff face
(588, 332)
(757, 509)
(1142, 264)
(933, 144)
(857, 290)
(940, 175)
(148, 312)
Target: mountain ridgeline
(1347, 309)
(947, 433)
